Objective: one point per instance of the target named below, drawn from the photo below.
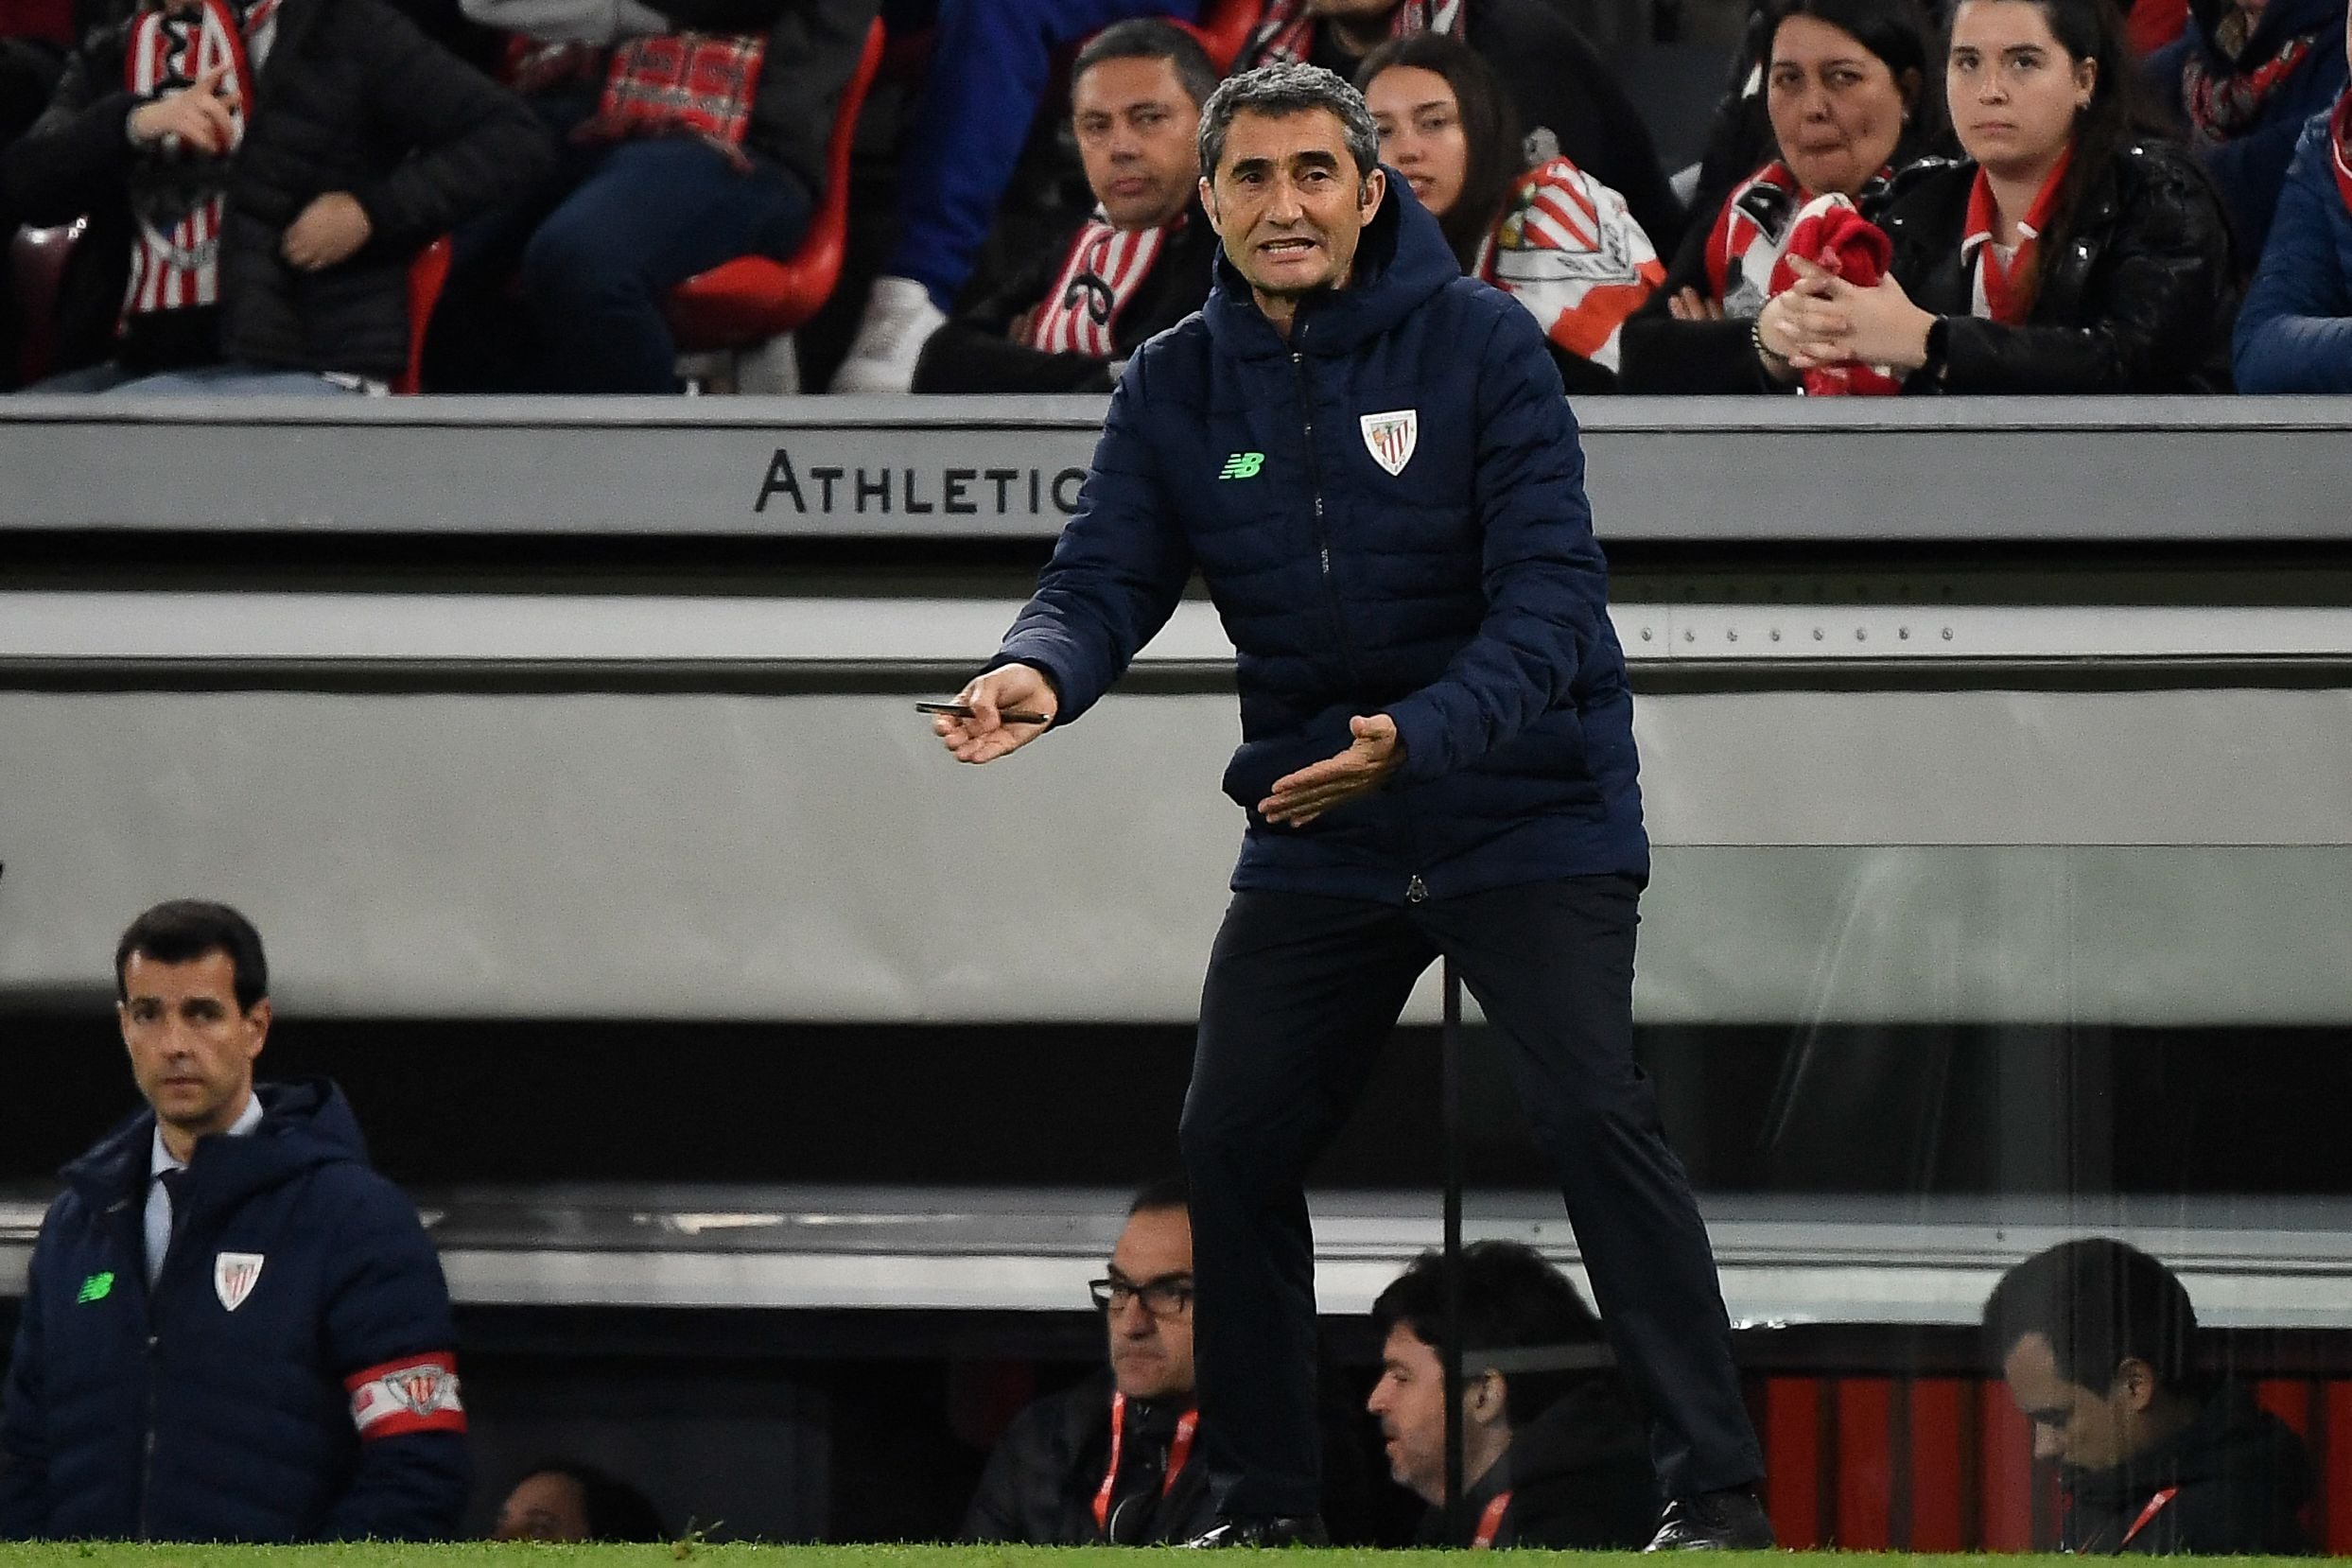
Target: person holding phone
(1368, 457)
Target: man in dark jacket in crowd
(1552, 1454)
(1111, 1459)
(1556, 77)
(1138, 263)
(2096, 1341)
(1368, 457)
(232, 1330)
(283, 161)
(2242, 81)
(1114, 1459)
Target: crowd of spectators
(2013, 195)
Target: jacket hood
(305, 1124)
(2233, 1443)
(1588, 1426)
(2281, 20)
(1402, 259)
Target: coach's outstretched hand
(1299, 798)
(984, 736)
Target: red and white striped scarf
(2341, 139)
(2003, 289)
(1286, 33)
(1570, 252)
(1100, 275)
(175, 256)
(1751, 232)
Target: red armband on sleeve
(416, 1393)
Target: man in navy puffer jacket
(1369, 460)
(288, 1374)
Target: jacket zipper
(1414, 889)
(147, 1434)
(1322, 535)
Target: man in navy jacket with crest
(1368, 458)
(233, 1330)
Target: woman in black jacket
(1852, 100)
(1523, 217)
(2065, 254)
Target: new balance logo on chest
(1241, 465)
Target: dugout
(1996, 754)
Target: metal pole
(1449, 1098)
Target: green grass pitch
(471, 1555)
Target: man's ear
(258, 1018)
(2135, 1384)
(1368, 197)
(1485, 1398)
(1209, 205)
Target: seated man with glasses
(1113, 1459)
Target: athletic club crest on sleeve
(234, 1274)
(1390, 437)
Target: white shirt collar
(159, 1159)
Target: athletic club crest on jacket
(233, 1276)
(1390, 437)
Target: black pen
(964, 710)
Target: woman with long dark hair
(1850, 101)
(2068, 251)
(1525, 219)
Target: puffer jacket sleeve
(388, 1305)
(2295, 332)
(1119, 566)
(1545, 582)
(23, 1407)
(78, 152)
(480, 144)
(2158, 314)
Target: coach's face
(1286, 201)
(192, 1047)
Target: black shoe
(1286, 1530)
(1728, 1521)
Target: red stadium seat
(36, 272)
(1223, 29)
(752, 298)
(427, 274)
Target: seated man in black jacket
(1552, 1453)
(282, 161)
(1114, 1459)
(1138, 263)
(2096, 1341)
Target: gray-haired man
(1368, 458)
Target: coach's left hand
(1299, 798)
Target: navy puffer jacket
(1463, 595)
(177, 1417)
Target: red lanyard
(1178, 1452)
(2155, 1506)
(1490, 1521)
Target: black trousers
(1300, 994)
